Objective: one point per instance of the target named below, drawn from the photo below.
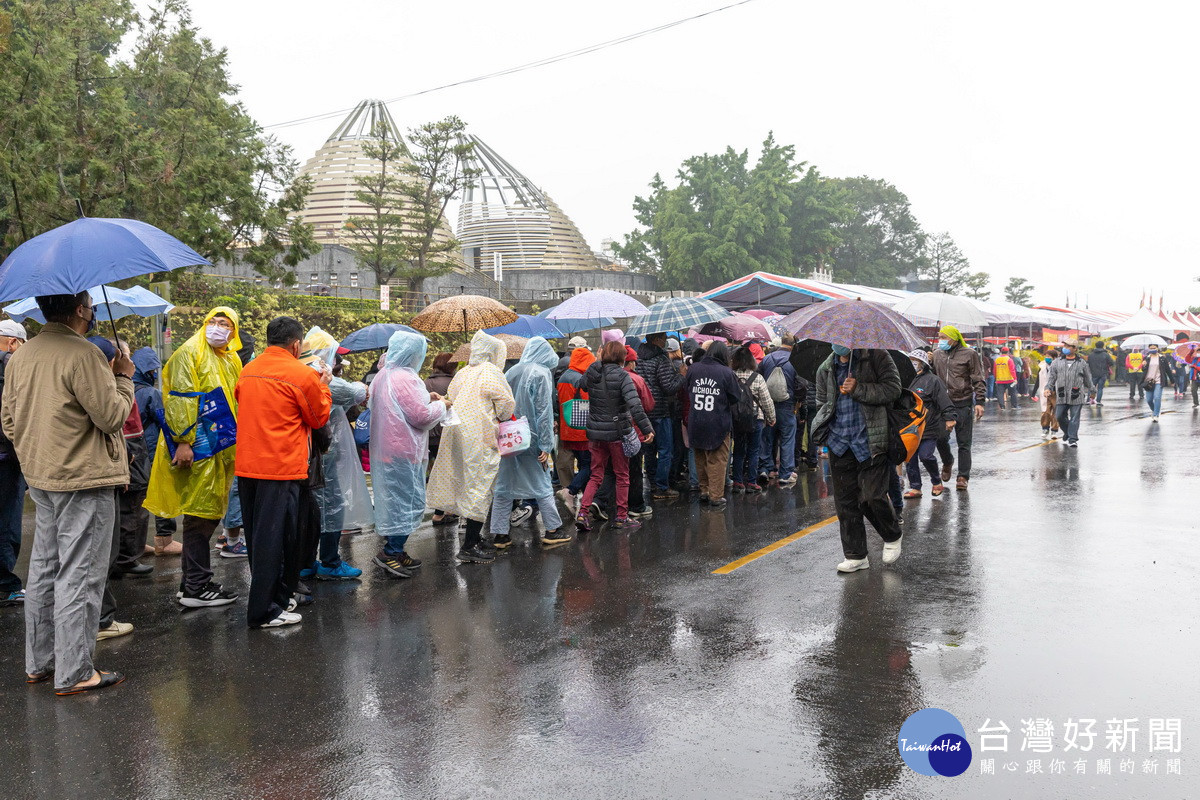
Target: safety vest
(1005, 370)
(1133, 362)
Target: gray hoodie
(1070, 380)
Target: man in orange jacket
(280, 401)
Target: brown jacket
(64, 410)
(961, 369)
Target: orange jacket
(280, 400)
(581, 359)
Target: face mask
(917, 365)
(217, 336)
(91, 323)
(840, 350)
(943, 344)
(1048, 359)
(1067, 351)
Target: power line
(542, 62)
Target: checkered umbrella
(463, 313)
(677, 314)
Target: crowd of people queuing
(269, 451)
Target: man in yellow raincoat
(199, 490)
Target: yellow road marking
(1039, 444)
(771, 548)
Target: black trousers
(963, 428)
(860, 489)
(134, 522)
(270, 516)
(197, 556)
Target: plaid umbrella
(515, 345)
(463, 313)
(676, 314)
(855, 324)
(597, 303)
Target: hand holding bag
(215, 426)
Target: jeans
(963, 429)
(1154, 398)
(991, 387)
(895, 490)
(605, 454)
(1099, 384)
(860, 490)
(585, 472)
(233, 514)
(745, 454)
(1068, 420)
(12, 500)
(926, 457)
(665, 442)
(783, 437)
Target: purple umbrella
(739, 328)
(855, 324)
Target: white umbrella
(1144, 340)
(941, 308)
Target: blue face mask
(1048, 359)
(839, 350)
(1066, 351)
(943, 345)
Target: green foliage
(881, 240)
(379, 238)
(1019, 291)
(976, 285)
(726, 219)
(154, 135)
(945, 264)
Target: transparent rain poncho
(521, 476)
(401, 416)
(464, 473)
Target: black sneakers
(555, 537)
(210, 595)
(502, 541)
(392, 565)
(475, 555)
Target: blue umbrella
(571, 326)
(109, 302)
(372, 337)
(89, 252)
(528, 327)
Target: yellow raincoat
(203, 490)
(467, 462)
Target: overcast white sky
(1054, 141)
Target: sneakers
(642, 513)
(1154, 418)
(719, 503)
(665, 494)
(342, 572)
(286, 618)
(739, 488)
(310, 572)
(16, 598)
(787, 482)
(555, 537)
(408, 561)
(235, 550)
(475, 555)
(763, 479)
(628, 524)
(1076, 444)
(502, 541)
(854, 564)
(1045, 433)
(520, 515)
(392, 565)
(891, 551)
(570, 501)
(211, 594)
(598, 512)
(114, 630)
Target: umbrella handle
(111, 321)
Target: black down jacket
(613, 399)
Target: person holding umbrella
(63, 409)
(961, 369)
(854, 389)
(199, 490)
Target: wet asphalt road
(1062, 586)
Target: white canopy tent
(1143, 321)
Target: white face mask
(217, 336)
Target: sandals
(106, 679)
(39, 677)
(936, 491)
(912, 494)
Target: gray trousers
(68, 566)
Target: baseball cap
(672, 345)
(14, 329)
(630, 354)
(576, 342)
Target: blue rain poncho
(464, 473)
(532, 384)
(345, 503)
(401, 416)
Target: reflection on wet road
(619, 665)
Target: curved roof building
(503, 213)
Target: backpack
(745, 413)
(906, 425)
(777, 385)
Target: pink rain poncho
(401, 416)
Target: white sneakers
(891, 551)
(286, 618)
(569, 500)
(854, 564)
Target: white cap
(13, 329)
(576, 342)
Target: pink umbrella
(705, 337)
(740, 328)
(761, 313)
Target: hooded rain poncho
(201, 490)
(401, 416)
(468, 460)
(532, 386)
(345, 503)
